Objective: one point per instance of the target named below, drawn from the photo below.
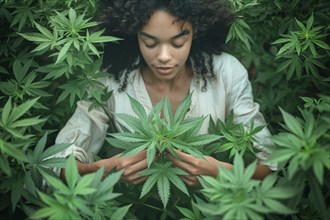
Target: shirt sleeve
(86, 130)
(247, 111)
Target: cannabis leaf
(155, 134)
(67, 197)
(233, 194)
(10, 118)
(41, 161)
(236, 139)
(160, 132)
(302, 147)
(162, 174)
(86, 197)
(190, 214)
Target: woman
(169, 49)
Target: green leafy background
(50, 57)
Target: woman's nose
(164, 54)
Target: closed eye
(177, 45)
(150, 45)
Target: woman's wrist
(229, 166)
(260, 173)
(216, 163)
(86, 168)
(83, 168)
(108, 164)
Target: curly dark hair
(210, 20)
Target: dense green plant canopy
(50, 57)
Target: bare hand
(132, 165)
(194, 166)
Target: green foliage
(25, 83)
(287, 63)
(155, 134)
(237, 139)
(191, 214)
(73, 45)
(295, 72)
(239, 29)
(305, 143)
(22, 169)
(50, 57)
(305, 150)
(161, 135)
(234, 195)
(300, 50)
(67, 36)
(12, 125)
(163, 174)
(86, 197)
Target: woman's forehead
(163, 22)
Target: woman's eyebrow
(182, 33)
(147, 35)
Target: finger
(140, 180)
(185, 166)
(137, 157)
(123, 162)
(189, 177)
(190, 180)
(184, 157)
(135, 168)
(134, 179)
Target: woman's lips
(165, 70)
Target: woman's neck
(175, 90)
(180, 80)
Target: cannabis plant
(237, 138)
(34, 38)
(304, 152)
(87, 197)
(158, 133)
(233, 194)
(239, 29)
(20, 165)
(50, 56)
(300, 49)
(74, 47)
(192, 213)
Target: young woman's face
(165, 44)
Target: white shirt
(230, 90)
